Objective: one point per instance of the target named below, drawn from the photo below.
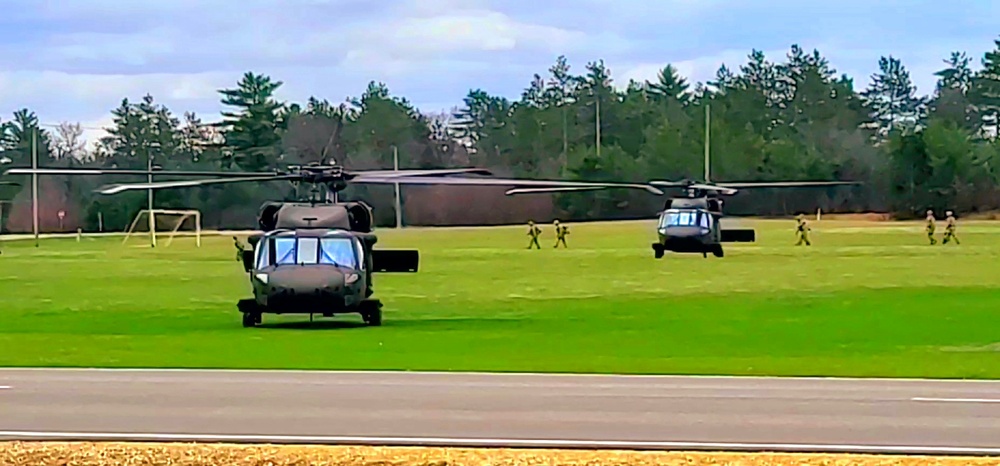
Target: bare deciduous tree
(69, 141)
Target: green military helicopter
(317, 256)
(691, 224)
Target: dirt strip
(185, 454)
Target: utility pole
(565, 134)
(597, 124)
(149, 198)
(399, 202)
(34, 183)
(708, 134)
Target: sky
(75, 60)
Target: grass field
(867, 299)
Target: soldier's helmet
(930, 212)
(948, 213)
(531, 223)
(800, 217)
(556, 221)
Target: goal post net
(158, 221)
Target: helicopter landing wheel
(371, 313)
(717, 251)
(373, 317)
(250, 319)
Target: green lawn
(864, 300)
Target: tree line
(793, 118)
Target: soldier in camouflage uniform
(533, 232)
(949, 229)
(239, 249)
(930, 227)
(802, 231)
(561, 232)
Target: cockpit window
(308, 249)
(685, 218)
(339, 251)
(284, 250)
(290, 250)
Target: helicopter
(317, 256)
(692, 224)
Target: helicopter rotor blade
(501, 182)
(117, 188)
(786, 184)
(724, 190)
(514, 191)
(104, 171)
(670, 184)
(434, 172)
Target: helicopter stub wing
(459, 181)
(395, 260)
(738, 235)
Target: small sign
(61, 214)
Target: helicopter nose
(302, 282)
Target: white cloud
(89, 98)
(410, 43)
(20, 88)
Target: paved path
(512, 410)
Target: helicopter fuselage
(693, 225)
(317, 260)
(308, 271)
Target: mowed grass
(867, 299)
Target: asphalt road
(512, 410)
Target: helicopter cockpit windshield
(288, 249)
(686, 218)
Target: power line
(56, 125)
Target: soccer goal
(159, 220)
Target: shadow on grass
(317, 324)
(442, 323)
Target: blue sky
(74, 60)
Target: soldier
(533, 232)
(239, 249)
(802, 231)
(949, 228)
(561, 232)
(930, 227)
